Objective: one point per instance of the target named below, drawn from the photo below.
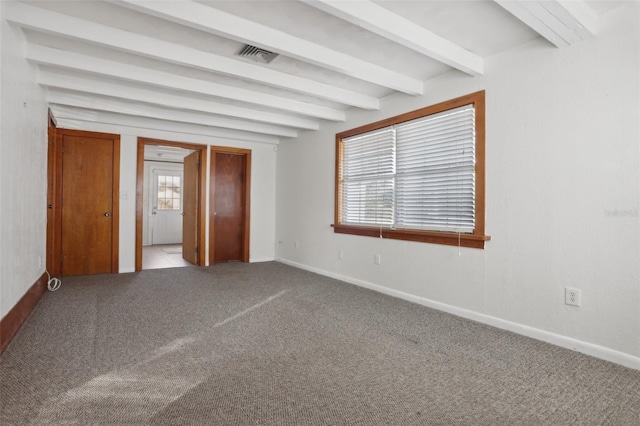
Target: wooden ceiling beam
(561, 22)
(152, 96)
(381, 21)
(102, 103)
(41, 20)
(204, 18)
(101, 121)
(83, 63)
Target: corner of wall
(23, 182)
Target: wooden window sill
(446, 238)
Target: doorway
(169, 204)
(163, 207)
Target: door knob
(107, 214)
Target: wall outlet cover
(572, 296)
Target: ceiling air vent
(257, 54)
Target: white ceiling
(172, 65)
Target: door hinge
(196, 251)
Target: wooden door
(229, 205)
(89, 203)
(190, 218)
(52, 266)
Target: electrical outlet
(296, 244)
(340, 254)
(377, 259)
(571, 296)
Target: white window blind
(367, 174)
(418, 174)
(435, 180)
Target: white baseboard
(350, 280)
(261, 259)
(586, 348)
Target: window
(169, 192)
(418, 176)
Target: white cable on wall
(54, 283)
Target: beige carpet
(267, 344)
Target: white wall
(263, 188)
(563, 152)
(23, 184)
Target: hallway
(163, 256)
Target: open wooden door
(190, 218)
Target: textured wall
(562, 158)
(23, 152)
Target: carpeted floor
(267, 344)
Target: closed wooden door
(190, 218)
(89, 188)
(228, 187)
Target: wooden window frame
(477, 238)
